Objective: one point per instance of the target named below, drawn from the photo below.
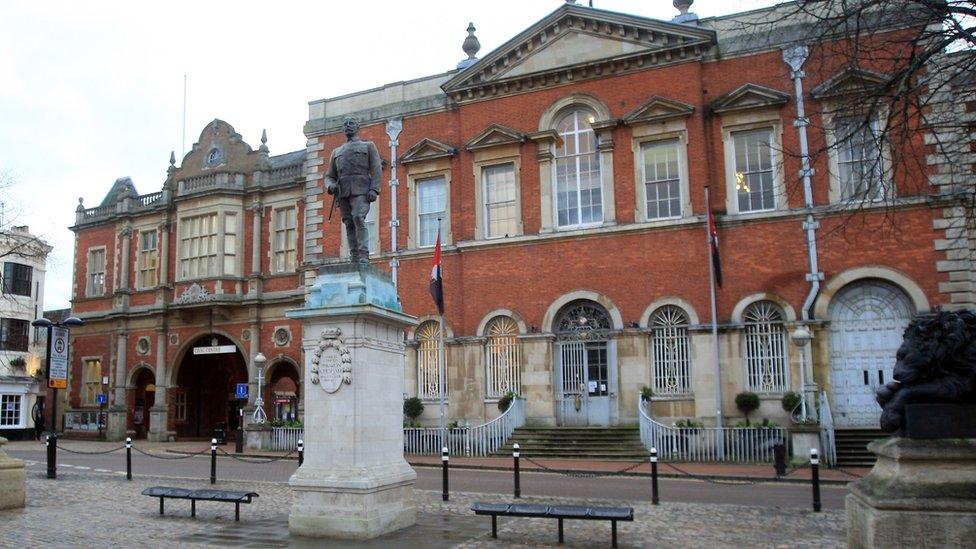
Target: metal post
(128, 458)
(444, 459)
(515, 455)
(101, 414)
(239, 439)
(52, 455)
(301, 452)
(213, 461)
(654, 498)
(815, 478)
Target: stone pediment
(657, 109)
(749, 96)
(850, 81)
(493, 136)
(576, 43)
(427, 149)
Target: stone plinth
(257, 436)
(920, 493)
(158, 416)
(355, 482)
(117, 423)
(13, 480)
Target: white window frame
(485, 206)
(670, 345)
(144, 270)
(590, 118)
(17, 415)
(90, 388)
(429, 382)
(503, 364)
(221, 254)
(765, 349)
(681, 145)
(180, 405)
(283, 250)
(836, 190)
(748, 121)
(91, 289)
(420, 181)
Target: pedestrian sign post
(58, 365)
(242, 391)
(101, 399)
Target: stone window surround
(85, 382)
(753, 119)
(546, 140)
(651, 133)
(89, 290)
(276, 210)
(828, 118)
(507, 154)
(222, 210)
(439, 167)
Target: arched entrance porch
(283, 391)
(203, 397)
(585, 365)
(144, 397)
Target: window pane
(577, 171)
(754, 170)
(430, 206)
(661, 179)
(500, 203)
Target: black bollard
(239, 441)
(444, 467)
(52, 455)
(779, 459)
(815, 478)
(128, 458)
(654, 498)
(301, 452)
(213, 461)
(515, 455)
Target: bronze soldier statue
(354, 178)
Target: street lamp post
(61, 349)
(259, 416)
(801, 336)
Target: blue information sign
(242, 391)
(101, 399)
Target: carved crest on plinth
(194, 293)
(331, 362)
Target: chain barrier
(577, 474)
(848, 473)
(744, 481)
(255, 461)
(70, 451)
(157, 456)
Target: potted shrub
(747, 403)
(412, 408)
(646, 393)
(18, 362)
(790, 402)
(506, 401)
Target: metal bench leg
(237, 511)
(160, 505)
(613, 533)
(193, 508)
(560, 530)
(494, 526)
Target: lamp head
(42, 323)
(73, 321)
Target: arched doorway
(145, 398)
(284, 391)
(585, 365)
(867, 320)
(204, 397)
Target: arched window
(579, 197)
(670, 356)
(765, 348)
(428, 372)
(502, 362)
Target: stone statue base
(13, 480)
(355, 482)
(920, 493)
(116, 423)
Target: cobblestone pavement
(83, 509)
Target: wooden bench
(559, 512)
(230, 496)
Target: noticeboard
(58, 363)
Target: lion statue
(936, 363)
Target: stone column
(159, 413)
(256, 237)
(164, 253)
(124, 267)
(604, 129)
(118, 414)
(355, 483)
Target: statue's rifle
(332, 208)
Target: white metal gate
(867, 320)
(585, 367)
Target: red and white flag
(713, 242)
(436, 278)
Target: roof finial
(81, 204)
(172, 158)
(470, 46)
(685, 16)
(264, 141)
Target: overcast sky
(93, 91)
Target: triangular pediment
(573, 43)
(850, 81)
(427, 149)
(749, 96)
(493, 136)
(657, 109)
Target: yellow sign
(57, 383)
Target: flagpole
(440, 363)
(720, 442)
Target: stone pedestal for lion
(355, 482)
(920, 493)
(13, 480)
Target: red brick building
(569, 168)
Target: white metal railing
(285, 439)
(828, 445)
(749, 444)
(481, 440)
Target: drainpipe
(393, 129)
(795, 57)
